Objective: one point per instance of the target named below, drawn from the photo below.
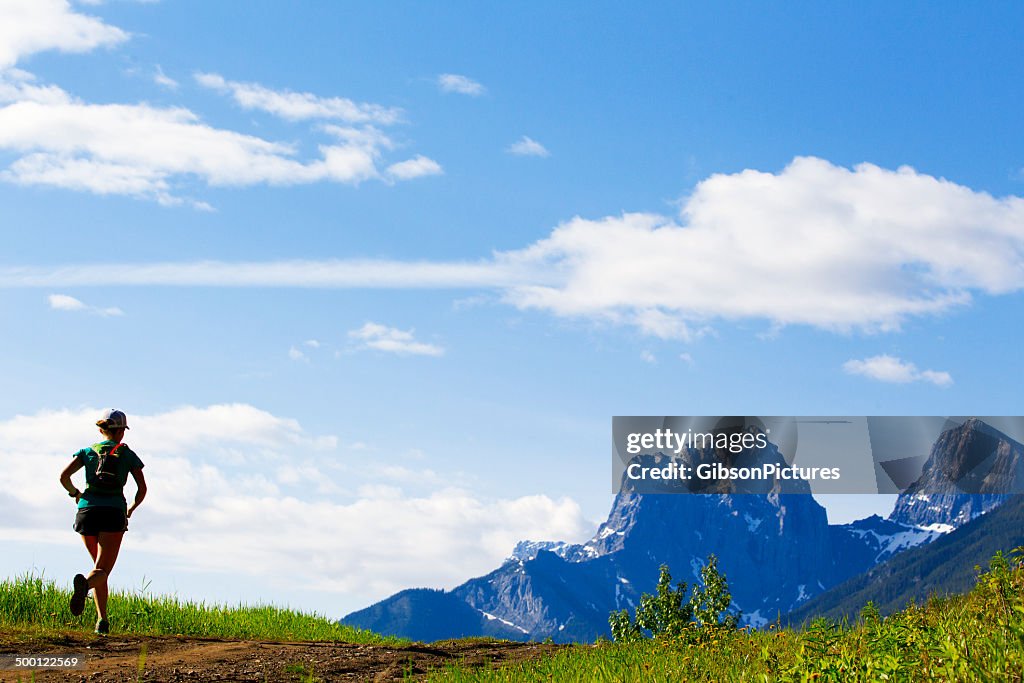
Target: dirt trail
(174, 659)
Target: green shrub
(669, 613)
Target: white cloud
(462, 85)
(233, 422)
(416, 167)
(528, 147)
(367, 137)
(312, 343)
(31, 26)
(147, 152)
(299, 106)
(17, 85)
(223, 479)
(63, 302)
(686, 358)
(937, 377)
(142, 151)
(657, 323)
(815, 244)
(297, 354)
(391, 340)
(299, 273)
(886, 368)
(163, 80)
(173, 432)
(648, 357)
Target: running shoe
(102, 627)
(81, 586)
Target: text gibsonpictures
(717, 471)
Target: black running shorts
(91, 521)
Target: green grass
(973, 637)
(37, 607)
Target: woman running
(103, 512)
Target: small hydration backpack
(107, 479)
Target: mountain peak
(970, 469)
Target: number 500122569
(12, 662)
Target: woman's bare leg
(109, 544)
(90, 545)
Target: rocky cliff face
(967, 473)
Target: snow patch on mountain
(491, 617)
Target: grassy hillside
(32, 606)
(943, 567)
(973, 637)
(978, 636)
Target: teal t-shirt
(126, 462)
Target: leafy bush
(669, 613)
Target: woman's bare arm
(65, 477)
(140, 482)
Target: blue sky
(373, 279)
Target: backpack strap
(112, 451)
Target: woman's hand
(65, 478)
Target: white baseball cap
(112, 419)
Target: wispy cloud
(63, 302)
(416, 167)
(648, 357)
(527, 147)
(301, 352)
(163, 80)
(657, 323)
(145, 151)
(149, 152)
(886, 368)
(815, 244)
(391, 340)
(17, 85)
(302, 273)
(139, 150)
(299, 106)
(463, 85)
